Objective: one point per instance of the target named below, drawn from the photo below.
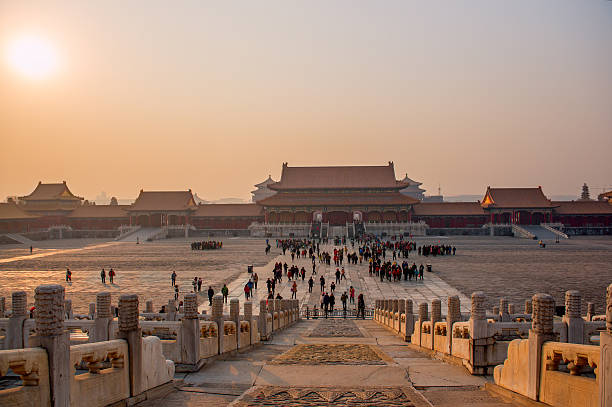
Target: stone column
(263, 321)
(49, 301)
(511, 310)
(503, 310)
(217, 316)
(92, 310)
(129, 329)
(605, 362)
(409, 320)
(590, 311)
(235, 317)
(14, 334)
(103, 319)
(68, 308)
(540, 332)
(453, 314)
(190, 331)
(572, 319)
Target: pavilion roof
(515, 198)
(50, 192)
(9, 211)
(345, 177)
(228, 210)
(583, 208)
(448, 208)
(338, 199)
(100, 211)
(605, 195)
(411, 181)
(164, 201)
(268, 181)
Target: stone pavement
(432, 287)
(296, 369)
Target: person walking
(255, 280)
(247, 291)
(111, 275)
(211, 294)
(173, 278)
(176, 292)
(294, 291)
(322, 280)
(310, 284)
(343, 299)
(225, 293)
(68, 275)
(103, 276)
(199, 284)
(361, 306)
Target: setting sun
(32, 56)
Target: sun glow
(32, 56)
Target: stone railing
(523, 233)
(124, 370)
(32, 366)
(103, 375)
(555, 228)
(482, 342)
(559, 374)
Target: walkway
(432, 287)
(342, 363)
(51, 252)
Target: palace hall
(306, 201)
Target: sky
(214, 96)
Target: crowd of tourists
(206, 245)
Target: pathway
(316, 363)
(51, 252)
(432, 287)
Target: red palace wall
(224, 223)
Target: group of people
(206, 245)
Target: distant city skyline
(215, 96)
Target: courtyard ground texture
(499, 266)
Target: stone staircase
(540, 232)
(20, 239)
(143, 234)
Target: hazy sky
(214, 96)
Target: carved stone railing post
(217, 316)
(436, 316)
(129, 329)
(276, 315)
(590, 311)
(171, 310)
(453, 314)
(503, 310)
(2, 307)
(14, 334)
(511, 310)
(263, 321)
(235, 317)
(68, 309)
(394, 311)
(103, 318)
(248, 316)
(479, 334)
(190, 333)
(92, 310)
(401, 310)
(605, 362)
(528, 309)
(572, 318)
(149, 306)
(418, 328)
(49, 302)
(409, 320)
(540, 332)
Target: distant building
(51, 200)
(433, 198)
(262, 191)
(414, 189)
